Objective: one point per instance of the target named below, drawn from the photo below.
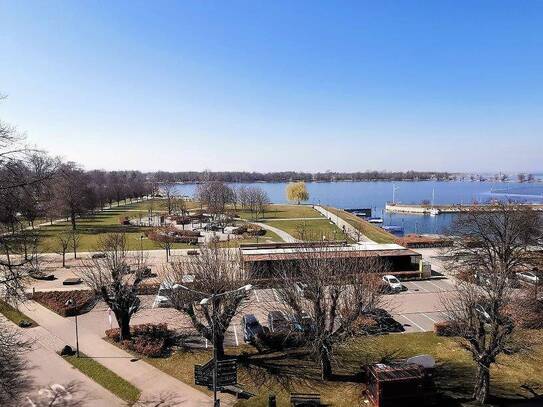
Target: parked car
(392, 283)
(303, 322)
(277, 322)
(98, 255)
(250, 327)
(529, 276)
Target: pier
(427, 209)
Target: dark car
(303, 323)
(277, 322)
(250, 327)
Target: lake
(374, 195)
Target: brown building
(263, 260)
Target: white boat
(434, 212)
(375, 220)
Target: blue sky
(265, 86)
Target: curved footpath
(351, 231)
(281, 233)
(149, 380)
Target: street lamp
(71, 303)
(204, 303)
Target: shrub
(56, 301)
(152, 340)
(279, 340)
(444, 328)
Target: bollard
(271, 400)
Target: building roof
(396, 372)
(293, 252)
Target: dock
(427, 209)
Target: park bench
(237, 391)
(305, 400)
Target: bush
(152, 340)
(56, 301)
(444, 328)
(279, 340)
(250, 229)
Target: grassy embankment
(372, 232)
(105, 377)
(13, 314)
(281, 375)
(300, 221)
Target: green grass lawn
(269, 237)
(13, 314)
(282, 212)
(91, 227)
(367, 229)
(105, 377)
(276, 373)
(311, 229)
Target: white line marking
(206, 343)
(236, 335)
(435, 285)
(419, 287)
(256, 296)
(276, 295)
(414, 323)
(427, 316)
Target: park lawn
(13, 314)
(372, 232)
(269, 237)
(275, 373)
(105, 377)
(93, 226)
(159, 205)
(282, 212)
(312, 229)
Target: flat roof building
(263, 260)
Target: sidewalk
(149, 380)
(281, 233)
(347, 227)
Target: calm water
(375, 194)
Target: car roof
(250, 317)
(390, 276)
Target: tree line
(290, 176)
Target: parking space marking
(414, 323)
(256, 296)
(276, 295)
(438, 287)
(430, 318)
(206, 342)
(419, 287)
(236, 335)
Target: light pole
(204, 302)
(71, 303)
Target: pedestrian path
(149, 380)
(351, 231)
(281, 233)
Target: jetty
(428, 209)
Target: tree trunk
(326, 364)
(124, 325)
(482, 383)
(72, 218)
(64, 258)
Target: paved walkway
(151, 381)
(47, 370)
(351, 231)
(281, 233)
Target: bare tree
(63, 241)
(214, 272)
(490, 248)
(70, 192)
(116, 278)
(75, 238)
(337, 290)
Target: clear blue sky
(250, 85)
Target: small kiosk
(401, 384)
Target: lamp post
(204, 302)
(71, 303)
